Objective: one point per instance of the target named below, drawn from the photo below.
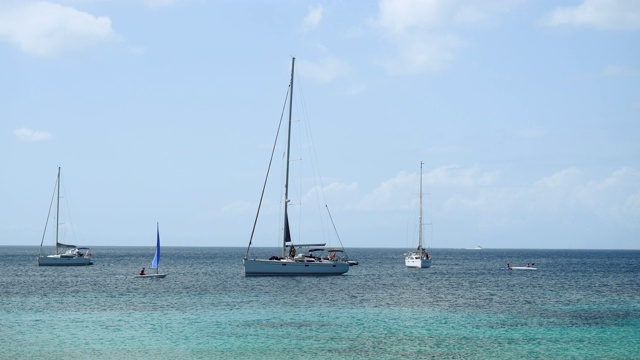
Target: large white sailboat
(317, 261)
(419, 258)
(65, 254)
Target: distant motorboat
(527, 267)
(478, 247)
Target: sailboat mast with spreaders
(290, 264)
(419, 258)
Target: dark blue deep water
(577, 305)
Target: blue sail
(156, 258)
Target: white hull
(523, 268)
(288, 267)
(417, 263)
(61, 260)
(159, 276)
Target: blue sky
(525, 113)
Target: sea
(579, 304)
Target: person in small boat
(509, 267)
(142, 272)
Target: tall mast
(420, 231)
(58, 210)
(286, 181)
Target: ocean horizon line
(347, 247)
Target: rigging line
(264, 186)
(48, 215)
(336, 230)
(315, 165)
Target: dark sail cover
(287, 233)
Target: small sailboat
(156, 259)
(419, 258)
(292, 262)
(72, 255)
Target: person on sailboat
(142, 272)
(292, 251)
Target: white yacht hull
(288, 267)
(414, 262)
(61, 260)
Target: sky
(526, 114)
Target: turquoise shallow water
(578, 305)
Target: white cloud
(339, 189)
(613, 70)
(28, 135)
(45, 28)
(387, 196)
(563, 178)
(400, 192)
(419, 53)
(481, 200)
(600, 14)
(559, 199)
(615, 198)
(335, 194)
(324, 70)
(313, 19)
(423, 30)
(401, 16)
